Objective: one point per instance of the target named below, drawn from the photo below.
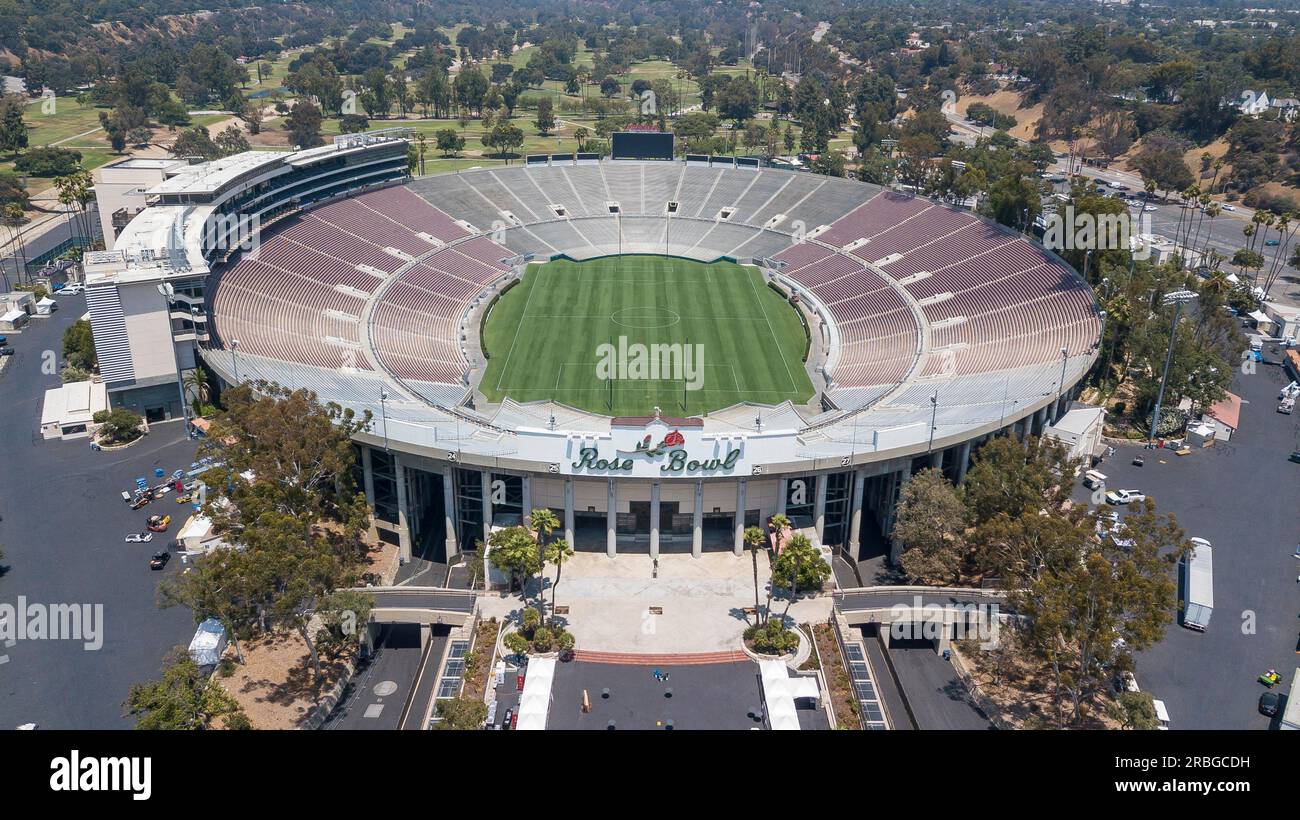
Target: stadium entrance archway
(426, 515)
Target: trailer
(1198, 585)
(1291, 715)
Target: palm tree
(798, 543)
(557, 552)
(779, 523)
(196, 383)
(754, 540)
(543, 522)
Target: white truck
(1198, 585)
(1291, 715)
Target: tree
(545, 117)
(513, 549)
(195, 142)
(461, 714)
(1011, 478)
(119, 425)
(557, 552)
(289, 501)
(1087, 603)
(79, 346)
(930, 522)
(449, 142)
(304, 124)
(231, 141)
(13, 128)
(755, 540)
(503, 137)
(800, 566)
(182, 699)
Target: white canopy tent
(535, 702)
(780, 691)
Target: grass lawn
(544, 336)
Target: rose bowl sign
(660, 444)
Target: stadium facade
(931, 330)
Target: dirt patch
(478, 662)
(276, 685)
(1008, 102)
(843, 701)
(1021, 691)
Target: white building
(1079, 430)
(121, 188)
(70, 409)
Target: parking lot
(62, 523)
(1241, 496)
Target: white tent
(535, 702)
(208, 643)
(780, 691)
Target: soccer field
(623, 335)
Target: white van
(1094, 480)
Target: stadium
(661, 351)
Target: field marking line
(772, 330)
(532, 289)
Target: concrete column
(527, 493)
(936, 459)
(568, 510)
(904, 476)
(739, 543)
(697, 521)
(781, 493)
(654, 519)
(449, 510)
(485, 481)
(819, 505)
(963, 461)
(368, 484)
(368, 477)
(403, 512)
(611, 520)
(855, 509)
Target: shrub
(543, 639)
(772, 638)
(48, 162)
(119, 425)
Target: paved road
(377, 695)
(938, 698)
(1242, 497)
(61, 528)
(886, 597)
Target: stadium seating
(382, 280)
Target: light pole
(234, 359)
(1177, 298)
(934, 410)
(383, 412)
(168, 293)
(1060, 387)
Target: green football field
(623, 335)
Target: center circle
(645, 316)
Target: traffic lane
(1239, 496)
(938, 698)
(375, 698)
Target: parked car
(139, 538)
(1269, 703)
(1124, 497)
(6, 351)
(1291, 391)
(1228, 206)
(1270, 243)
(71, 289)
(159, 559)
